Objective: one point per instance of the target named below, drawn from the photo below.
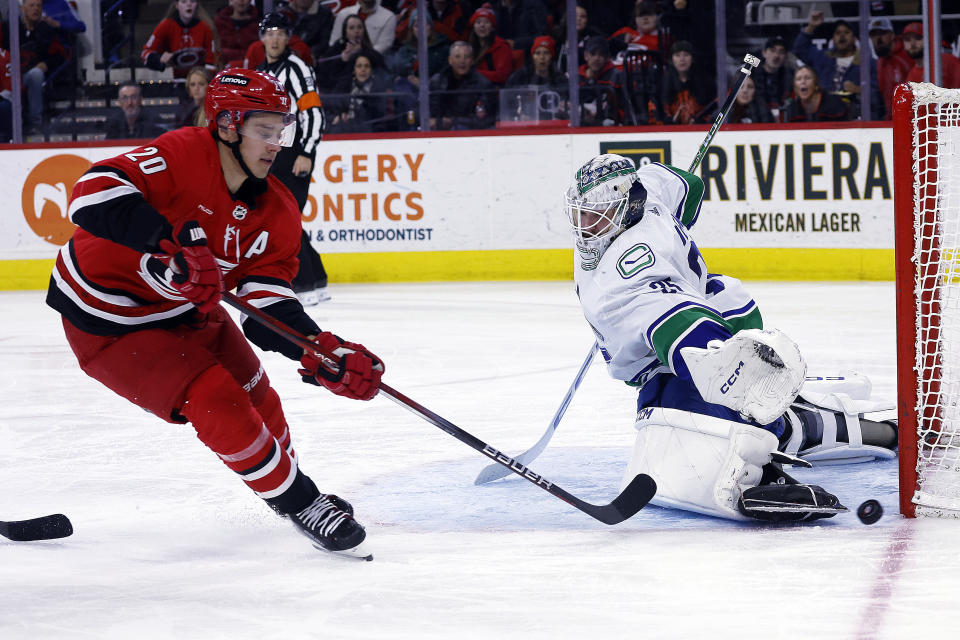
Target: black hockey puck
(869, 512)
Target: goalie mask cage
(926, 142)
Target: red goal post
(926, 142)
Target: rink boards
(785, 203)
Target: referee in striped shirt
(294, 164)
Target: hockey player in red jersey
(163, 230)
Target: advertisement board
(489, 206)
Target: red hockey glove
(197, 275)
(357, 371)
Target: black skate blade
(356, 553)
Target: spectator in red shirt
(913, 44)
(492, 53)
(645, 37)
(893, 62)
(601, 86)
(256, 53)
(237, 24)
(811, 103)
(182, 40)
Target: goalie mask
(605, 198)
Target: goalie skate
(783, 499)
(328, 523)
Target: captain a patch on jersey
(635, 259)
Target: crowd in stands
(640, 62)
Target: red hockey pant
(208, 375)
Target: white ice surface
(170, 544)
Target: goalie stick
(495, 472)
(633, 498)
(43, 528)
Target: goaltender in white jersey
(722, 402)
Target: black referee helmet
(275, 20)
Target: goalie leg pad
(756, 372)
(829, 427)
(701, 463)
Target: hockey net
(927, 221)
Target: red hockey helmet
(234, 94)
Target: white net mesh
(936, 164)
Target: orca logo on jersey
(635, 259)
(239, 212)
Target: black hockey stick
(749, 64)
(493, 472)
(637, 494)
(42, 528)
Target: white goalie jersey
(649, 293)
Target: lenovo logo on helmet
(239, 80)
